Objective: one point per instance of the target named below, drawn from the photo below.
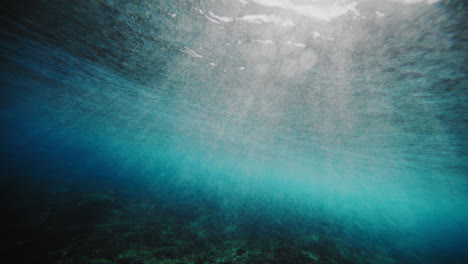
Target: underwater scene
(234, 131)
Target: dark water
(234, 131)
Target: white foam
(262, 18)
(221, 18)
(244, 2)
(264, 41)
(191, 53)
(299, 45)
(319, 9)
(417, 1)
(212, 20)
(325, 10)
(317, 35)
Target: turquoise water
(234, 131)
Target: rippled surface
(349, 114)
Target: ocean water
(234, 131)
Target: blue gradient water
(353, 117)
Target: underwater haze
(234, 131)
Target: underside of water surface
(234, 131)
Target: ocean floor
(95, 224)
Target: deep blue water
(234, 131)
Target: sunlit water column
(346, 101)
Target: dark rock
(288, 255)
(168, 252)
(240, 252)
(258, 259)
(200, 259)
